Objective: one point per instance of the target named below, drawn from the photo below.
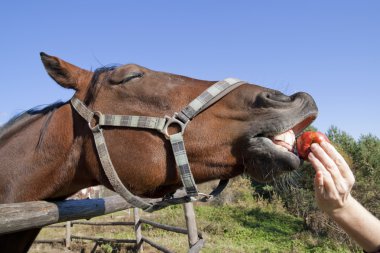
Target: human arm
(333, 183)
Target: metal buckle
(173, 120)
(202, 197)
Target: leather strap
(96, 120)
(183, 165)
(111, 174)
(132, 121)
(210, 96)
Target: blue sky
(330, 49)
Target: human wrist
(358, 223)
(344, 209)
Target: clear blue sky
(330, 49)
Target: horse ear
(64, 73)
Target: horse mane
(92, 89)
(22, 119)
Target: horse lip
(307, 120)
(263, 154)
(297, 127)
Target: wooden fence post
(68, 235)
(191, 223)
(139, 240)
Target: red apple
(306, 139)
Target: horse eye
(131, 76)
(128, 77)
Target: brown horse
(49, 154)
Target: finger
(318, 183)
(337, 158)
(317, 165)
(327, 162)
(327, 180)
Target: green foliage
(107, 248)
(310, 128)
(363, 156)
(369, 156)
(367, 168)
(255, 225)
(345, 141)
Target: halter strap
(210, 96)
(203, 101)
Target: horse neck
(39, 156)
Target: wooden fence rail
(164, 227)
(36, 214)
(22, 216)
(99, 241)
(112, 223)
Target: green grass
(235, 223)
(252, 229)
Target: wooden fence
(22, 216)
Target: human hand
(333, 180)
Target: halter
(202, 102)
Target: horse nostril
(271, 99)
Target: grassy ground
(234, 223)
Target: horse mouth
(272, 153)
(286, 141)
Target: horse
(50, 153)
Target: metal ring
(96, 127)
(170, 121)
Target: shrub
(296, 189)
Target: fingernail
(311, 156)
(313, 146)
(323, 143)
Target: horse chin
(264, 161)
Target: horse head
(252, 129)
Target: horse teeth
(288, 137)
